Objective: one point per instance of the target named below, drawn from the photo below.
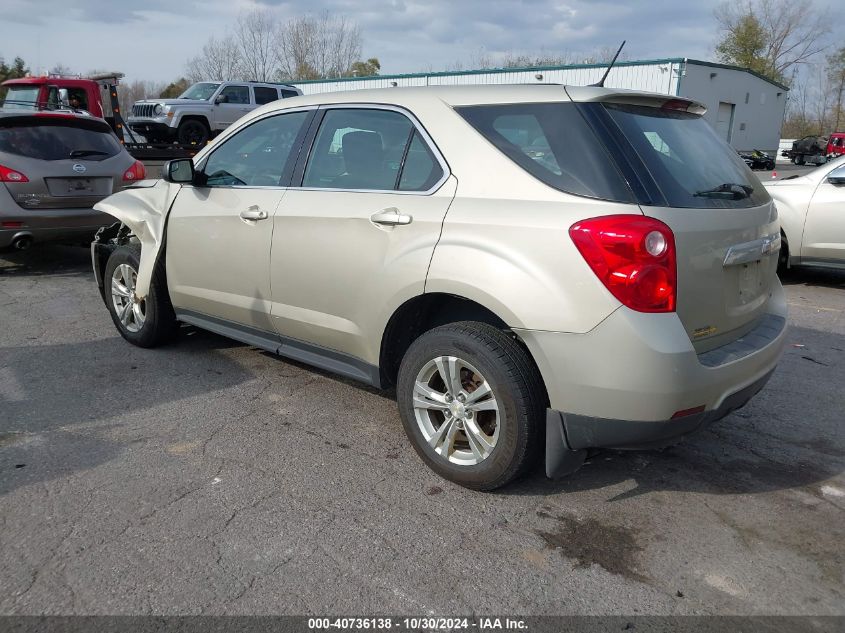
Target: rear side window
(358, 149)
(47, 138)
(689, 163)
(420, 171)
(553, 143)
(289, 93)
(265, 95)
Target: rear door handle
(254, 213)
(390, 217)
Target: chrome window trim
(200, 166)
(426, 137)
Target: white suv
(592, 264)
(203, 110)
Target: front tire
(147, 323)
(472, 403)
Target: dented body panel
(143, 208)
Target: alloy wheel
(128, 309)
(456, 410)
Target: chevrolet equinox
(532, 267)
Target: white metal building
(745, 108)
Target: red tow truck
(96, 94)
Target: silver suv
(529, 266)
(203, 110)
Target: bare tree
(133, 91)
(61, 69)
(219, 60)
(773, 37)
(296, 43)
(836, 78)
(325, 46)
(255, 37)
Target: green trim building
(745, 108)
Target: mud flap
(560, 459)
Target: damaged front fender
(143, 207)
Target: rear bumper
(620, 384)
(567, 435)
(49, 225)
(643, 367)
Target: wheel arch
(427, 311)
(192, 117)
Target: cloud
(153, 39)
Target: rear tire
(783, 256)
(481, 442)
(147, 323)
(193, 132)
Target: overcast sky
(152, 39)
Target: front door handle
(254, 213)
(390, 217)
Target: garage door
(725, 120)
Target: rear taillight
(136, 172)
(11, 175)
(633, 256)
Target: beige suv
(530, 266)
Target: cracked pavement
(209, 477)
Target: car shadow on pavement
(47, 259)
(807, 276)
(57, 402)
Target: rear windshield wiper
(79, 153)
(730, 190)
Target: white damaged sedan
(812, 216)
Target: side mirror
(63, 96)
(180, 170)
(221, 99)
(837, 176)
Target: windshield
(200, 92)
(688, 162)
(21, 98)
(55, 139)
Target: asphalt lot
(209, 477)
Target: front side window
(358, 149)
(235, 94)
(257, 155)
(200, 92)
(265, 95)
(554, 143)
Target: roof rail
(272, 83)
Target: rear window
(554, 143)
(49, 138)
(688, 162)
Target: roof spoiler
(586, 94)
